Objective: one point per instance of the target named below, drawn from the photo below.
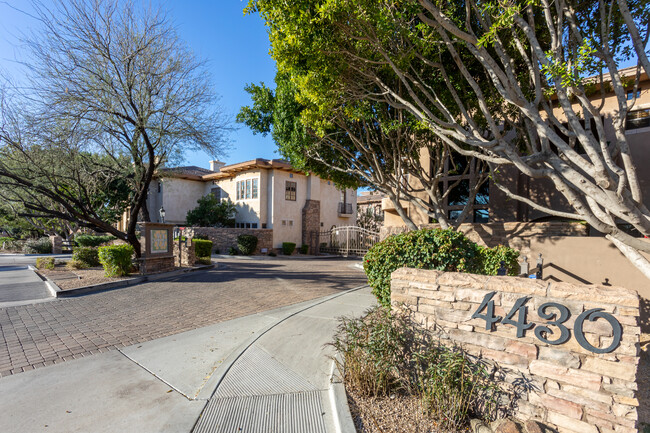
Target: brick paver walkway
(42, 334)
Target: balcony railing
(345, 208)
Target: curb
(343, 421)
(57, 292)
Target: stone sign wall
(576, 347)
(224, 238)
(156, 243)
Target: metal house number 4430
(556, 315)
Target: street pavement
(19, 284)
(42, 334)
(255, 368)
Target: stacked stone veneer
(570, 388)
(311, 224)
(57, 244)
(184, 255)
(224, 238)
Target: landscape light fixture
(162, 214)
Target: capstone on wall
(568, 385)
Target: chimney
(216, 165)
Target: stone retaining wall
(568, 386)
(224, 238)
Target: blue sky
(235, 46)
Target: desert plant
(374, 350)
(385, 352)
(202, 247)
(38, 246)
(454, 386)
(288, 248)
(247, 244)
(76, 264)
(116, 259)
(45, 263)
(92, 240)
(304, 249)
(86, 255)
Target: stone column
(57, 244)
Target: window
(254, 225)
(637, 119)
(630, 95)
(247, 189)
(216, 192)
(290, 191)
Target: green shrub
(288, 248)
(202, 247)
(204, 260)
(491, 260)
(247, 244)
(92, 240)
(76, 264)
(233, 251)
(38, 246)
(5, 240)
(272, 254)
(87, 255)
(304, 249)
(45, 263)
(445, 250)
(116, 259)
(384, 352)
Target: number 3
(564, 316)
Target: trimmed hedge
(247, 244)
(116, 259)
(288, 248)
(444, 250)
(92, 240)
(304, 249)
(202, 247)
(38, 246)
(87, 255)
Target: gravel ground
(65, 278)
(402, 414)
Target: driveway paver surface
(36, 335)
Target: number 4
(489, 317)
(520, 324)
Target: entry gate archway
(346, 241)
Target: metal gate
(346, 241)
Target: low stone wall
(224, 238)
(567, 385)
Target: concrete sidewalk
(20, 285)
(267, 372)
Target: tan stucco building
(492, 205)
(268, 194)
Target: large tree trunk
(633, 255)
